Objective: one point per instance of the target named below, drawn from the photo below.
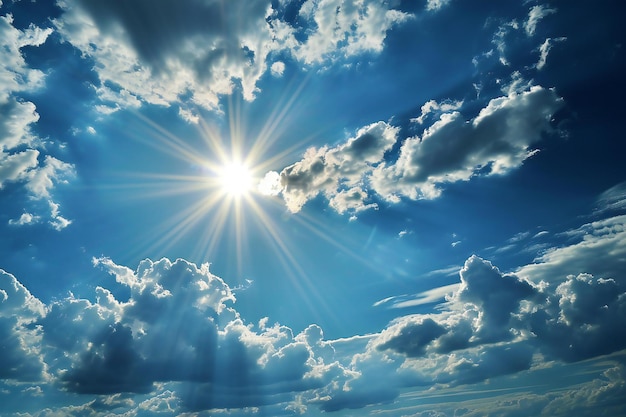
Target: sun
(235, 179)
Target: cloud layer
(178, 336)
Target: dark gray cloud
(414, 337)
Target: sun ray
(222, 204)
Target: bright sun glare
(235, 179)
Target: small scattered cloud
(435, 109)
(425, 297)
(278, 68)
(535, 15)
(24, 219)
(435, 5)
(23, 157)
(544, 49)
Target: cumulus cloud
(453, 148)
(178, 325)
(22, 157)
(202, 50)
(178, 336)
(25, 218)
(278, 68)
(339, 172)
(344, 28)
(20, 358)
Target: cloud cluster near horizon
(179, 337)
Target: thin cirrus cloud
(180, 338)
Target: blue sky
(312, 207)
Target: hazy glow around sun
(235, 179)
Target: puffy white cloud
(178, 325)
(339, 172)
(20, 358)
(201, 50)
(21, 153)
(25, 218)
(433, 108)
(15, 75)
(434, 5)
(581, 318)
(451, 149)
(343, 28)
(278, 68)
(454, 148)
(179, 338)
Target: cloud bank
(178, 336)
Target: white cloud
(454, 148)
(544, 49)
(25, 218)
(179, 338)
(22, 156)
(434, 5)
(612, 199)
(278, 68)
(20, 358)
(599, 249)
(337, 172)
(435, 109)
(535, 15)
(15, 75)
(425, 297)
(345, 28)
(202, 50)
